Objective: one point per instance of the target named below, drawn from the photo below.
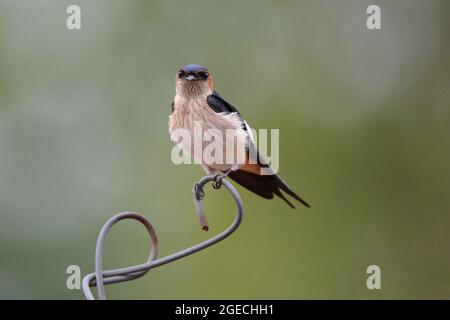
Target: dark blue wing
(218, 104)
(266, 185)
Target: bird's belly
(215, 140)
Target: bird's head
(193, 80)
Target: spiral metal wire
(101, 277)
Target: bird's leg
(218, 179)
(217, 184)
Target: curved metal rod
(100, 278)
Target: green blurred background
(364, 124)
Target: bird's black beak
(191, 77)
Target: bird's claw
(198, 191)
(217, 183)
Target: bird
(196, 101)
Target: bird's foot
(198, 191)
(217, 183)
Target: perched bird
(196, 101)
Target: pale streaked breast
(191, 112)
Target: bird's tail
(265, 185)
(281, 184)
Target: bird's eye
(203, 75)
(181, 74)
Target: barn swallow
(196, 100)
